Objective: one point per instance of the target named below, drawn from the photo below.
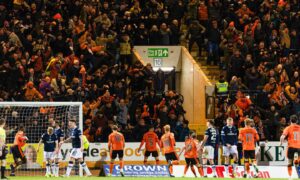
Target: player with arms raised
(116, 145)
(229, 136)
(16, 150)
(151, 140)
(168, 143)
(3, 150)
(208, 145)
(292, 133)
(249, 137)
(190, 153)
(50, 142)
(77, 149)
(58, 156)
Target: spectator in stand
(31, 93)
(195, 35)
(203, 14)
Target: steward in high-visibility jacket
(221, 86)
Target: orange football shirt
(20, 139)
(248, 136)
(168, 143)
(190, 148)
(151, 139)
(116, 141)
(292, 133)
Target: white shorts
(76, 153)
(208, 152)
(229, 151)
(49, 155)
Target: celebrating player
(190, 153)
(208, 145)
(151, 139)
(50, 142)
(199, 156)
(3, 150)
(249, 137)
(292, 133)
(116, 145)
(168, 144)
(16, 150)
(77, 149)
(58, 156)
(229, 140)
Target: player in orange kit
(167, 142)
(249, 137)
(16, 149)
(292, 133)
(199, 156)
(151, 140)
(190, 154)
(116, 145)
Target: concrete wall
(193, 82)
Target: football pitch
(121, 178)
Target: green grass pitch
(118, 178)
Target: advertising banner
(272, 154)
(34, 159)
(139, 170)
(99, 152)
(264, 172)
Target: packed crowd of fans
(76, 50)
(260, 50)
(81, 50)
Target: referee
(3, 150)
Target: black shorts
(171, 156)
(17, 153)
(4, 153)
(198, 160)
(115, 153)
(191, 161)
(249, 154)
(292, 151)
(153, 153)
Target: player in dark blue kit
(50, 142)
(208, 145)
(60, 136)
(77, 149)
(229, 136)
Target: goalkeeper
(16, 150)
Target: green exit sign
(158, 52)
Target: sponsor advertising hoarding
(140, 170)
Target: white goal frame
(35, 104)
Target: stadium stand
(76, 50)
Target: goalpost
(36, 117)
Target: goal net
(36, 117)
